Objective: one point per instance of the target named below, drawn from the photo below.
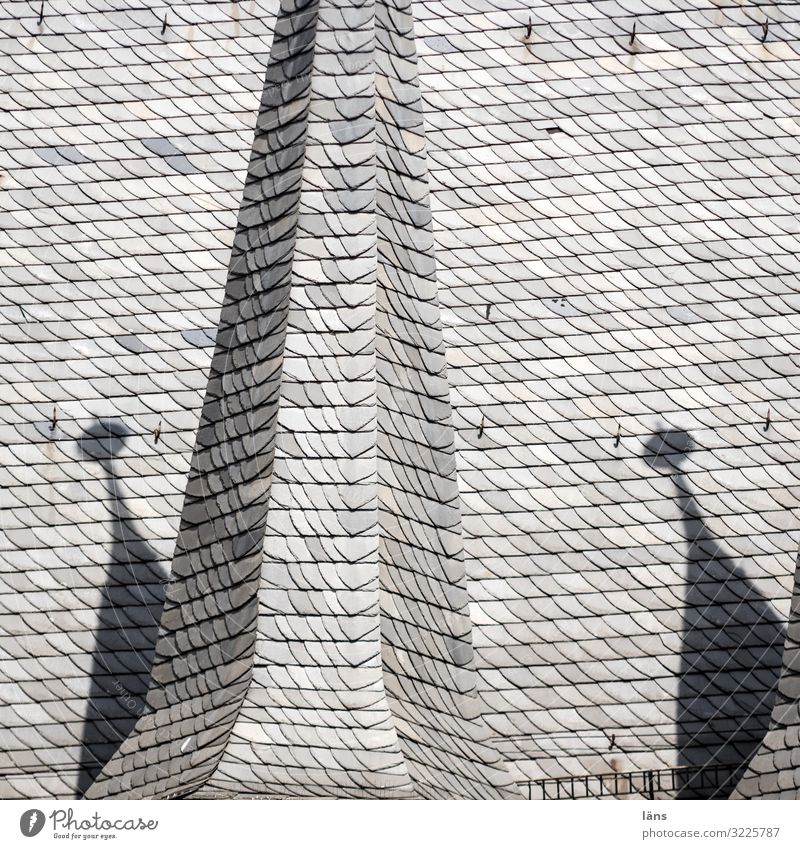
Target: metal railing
(646, 783)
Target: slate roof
(616, 256)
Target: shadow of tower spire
(127, 628)
(732, 641)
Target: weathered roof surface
(616, 247)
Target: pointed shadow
(127, 628)
(732, 646)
